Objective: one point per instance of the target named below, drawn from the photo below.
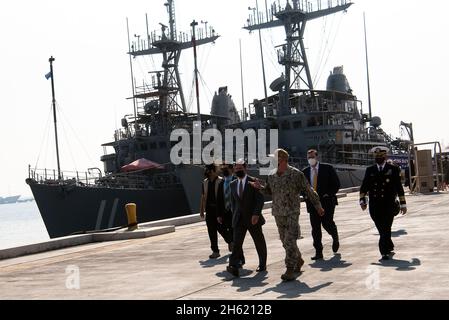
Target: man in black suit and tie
(382, 183)
(324, 180)
(224, 205)
(247, 204)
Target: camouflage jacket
(285, 191)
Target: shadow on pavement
(399, 233)
(293, 289)
(214, 262)
(400, 265)
(328, 265)
(245, 282)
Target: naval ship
(139, 170)
(331, 121)
(9, 200)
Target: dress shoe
(241, 263)
(335, 246)
(261, 268)
(385, 257)
(299, 265)
(233, 270)
(318, 256)
(214, 255)
(289, 275)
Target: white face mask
(313, 162)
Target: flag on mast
(48, 75)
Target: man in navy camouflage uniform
(285, 186)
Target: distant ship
(9, 200)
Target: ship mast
(367, 69)
(169, 43)
(51, 75)
(193, 25)
(293, 53)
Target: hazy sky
(408, 62)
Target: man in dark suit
(224, 206)
(209, 206)
(382, 183)
(324, 180)
(247, 204)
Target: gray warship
(330, 120)
(9, 200)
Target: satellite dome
(376, 122)
(337, 81)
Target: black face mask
(240, 174)
(226, 173)
(206, 174)
(380, 161)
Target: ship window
(285, 125)
(153, 145)
(162, 144)
(297, 124)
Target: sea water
(21, 224)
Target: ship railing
(306, 6)
(301, 163)
(131, 132)
(139, 180)
(133, 180)
(124, 181)
(121, 135)
(50, 176)
(153, 38)
(372, 137)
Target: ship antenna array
(169, 43)
(292, 55)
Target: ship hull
(67, 210)
(73, 209)
(350, 176)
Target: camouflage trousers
(289, 232)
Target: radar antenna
(170, 44)
(292, 54)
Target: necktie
(227, 194)
(241, 189)
(315, 179)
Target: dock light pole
(52, 76)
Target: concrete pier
(176, 265)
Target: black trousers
(213, 228)
(327, 221)
(239, 237)
(227, 226)
(383, 218)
